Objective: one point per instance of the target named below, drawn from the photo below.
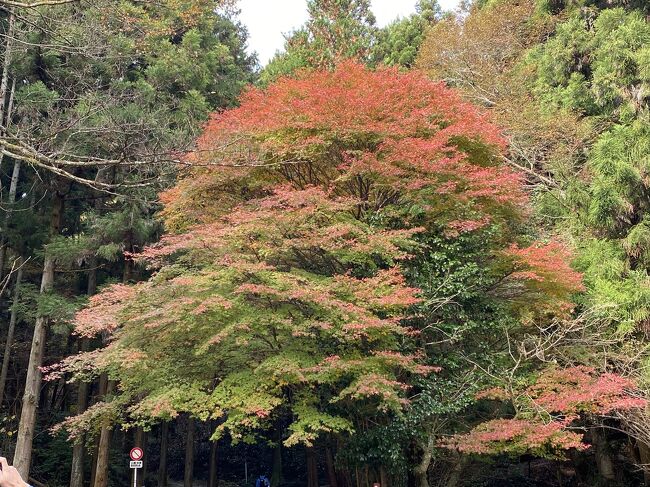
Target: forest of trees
(415, 255)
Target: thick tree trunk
(91, 286)
(101, 393)
(25, 437)
(312, 468)
(77, 467)
(276, 471)
(141, 441)
(103, 450)
(331, 470)
(213, 475)
(603, 458)
(127, 273)
(189, 454)
(422, 469)
(23, 452)
(12, 330)
(162, 467)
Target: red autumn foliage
(353, 100)
(544, 262)
(581, 390)
(545, 269)
(517, 436)
(557, 399)
(372, 136)
(101, 314)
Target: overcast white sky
(267, 20)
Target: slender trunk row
(5, 118)
(6, 358)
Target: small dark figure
(262, 481)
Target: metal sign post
(137, 454)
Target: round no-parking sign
(137, 454)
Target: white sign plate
(136, 464)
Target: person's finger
(4, 464)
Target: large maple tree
(280, 294)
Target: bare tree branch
(41, 3)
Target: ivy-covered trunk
(422, 469)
